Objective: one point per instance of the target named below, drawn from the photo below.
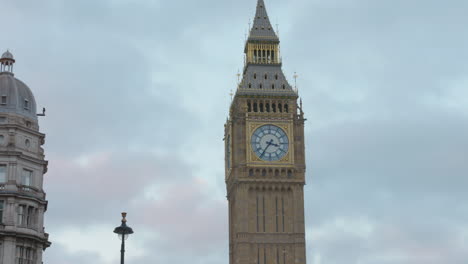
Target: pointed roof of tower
(262, 29)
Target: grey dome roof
(16, 97)
(7, 55)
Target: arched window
(267, 107)
(284, 86)
(286, 108)
(255, 107)
(250, 85)
(273, 86)
(280, 108)
(249, 107)
(266, 76)
(261, 107)
(273, 107)
(261, 86)
(276, 76)
(255, 76)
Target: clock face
(270, 143)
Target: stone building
(265, 159)
(22, 166)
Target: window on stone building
(2, 173)
(276, 214)
(27, 216)
(258, 214)
(282, 212)
(4, 99)
(30, 216)
(264, 215)
(27, 177)
(25, 255)
(26, 104)
(2, 205)
(21, 215)
(261, 216)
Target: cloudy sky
(137, 92)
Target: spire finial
(277, 28)
(295, 80)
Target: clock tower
(265, 161)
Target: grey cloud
(123, 76)
(61, 255)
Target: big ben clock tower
(265, 163)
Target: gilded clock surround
(255, 161)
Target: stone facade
(22, 166)
(265, 184)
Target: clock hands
(269, 143)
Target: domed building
(22, 168)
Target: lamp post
(123, 231)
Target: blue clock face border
(270, 143)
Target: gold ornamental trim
(287, 160)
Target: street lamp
(123, 231)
